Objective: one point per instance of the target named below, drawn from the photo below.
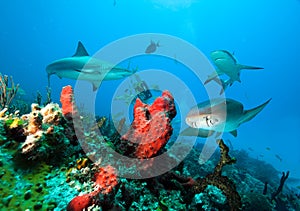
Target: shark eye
(207, 120)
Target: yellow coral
(81, 163)
(2, 112)
(14, 124)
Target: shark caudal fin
(247, 67)
(250, 114)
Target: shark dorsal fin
(81, 51)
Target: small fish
(250, 149)
(268, 148)
(154, 86)
(278, 157)
(152, 47)
(175, 59)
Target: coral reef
(7, 93)
(105, 179)
(44, 168)
(222, 182)
(280, 187)
(43, 131)
(148, 134)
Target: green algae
(20, 189)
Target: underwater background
(263, 33)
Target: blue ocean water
(259, 32)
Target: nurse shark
(81, 66)
(227, 64)
(218, 115)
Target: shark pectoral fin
(196, 132)
(211, 77)
(234, 133)
(96, 85)
(241, 66)
(218, 80)
(250, 114)
(80, 51)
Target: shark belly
(228, 67)
(68, 74)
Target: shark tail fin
(250, 114)
(241, 66)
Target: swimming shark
(81, 66)
(227, 64)
(219, 115)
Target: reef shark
(218, 115)
(227, 64)
(81, 66)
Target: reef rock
(39, 120)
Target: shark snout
(192, 121)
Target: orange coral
(151, 128)
(67, 101)
(105, 179)
(80, 203)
